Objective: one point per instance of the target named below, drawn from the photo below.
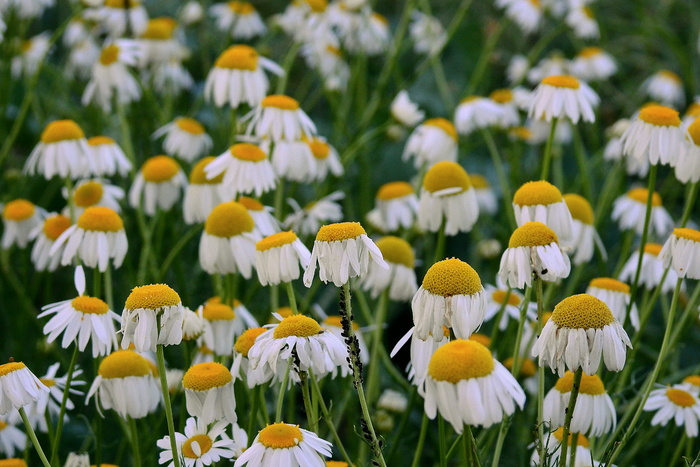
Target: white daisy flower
(95, 192)
(278, 258)
(170, 77)
(292, 160)
(77, 460)
(29, 9)
(81, 57)
(616, 295)
(44, 237)
(191, 13)
(392, 401)
(326, 158)
(200, 446)
(63, 151)
(525, 13)
(106, 158)
(246, 169)
(583, 22)
(584, 236)
(554, 65)
(265, 223)
(209, 393)
(396, 207)
(370, 35)
(222, 323)
(240, 369)
(115, 15)
(656, 136)
(20, 218)
(539, 131)
(33, 52)
(593, 64)
(12, 439)
(140, 318)
(692, 384)
(652, 269)
(629, 210)
(421, 353)
(157, 185)
(682, 252)
(160, 44)
(541, 201)
(506, 100)
(665, 87)
(405, 111)
(432, 141)
(185, 138)
(518, 67)
(485, 195)
(427, 33)
(553, 442)
(675, 403)
(308, 220)
(279, 117)
(240, 19)
(201, 194)
(192, 325)
(284, 444)
(613, 149)
(692, 113)
(111, 78)
(474, 113)
(400, 278)
(306, 22)
(334, 324)
(563, 96)
(688, 164)
(328, 60)
(511, 302)
(18, 387)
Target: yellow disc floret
(205, 376)
(246, 340)
(100, 140)
(446, 174)
(532, 234)
(152, 297)
(482, 339)
(582, 311)
(608, 283)
(499, 296)
(694, 131)
(238, 57)
(109, 55)
(396, 250)
(160, 29)
(339, 232)
(590, 52)
(653, 248)
(692, 379)
(502, 96)
(61, 130)
(393, 190)
(229, 219)
(479, 181)
(319, 148)
(159, 169)
(528, 368)
(444, 124)
(199, 177)
(7, 368)
(680, 397)
(641, 194)
(562, 81)
(590, 384)
(297, 325)
(241, 8)
(205, 443)
(582, 440)
(281, 102)
(337, 322)
(660, 115)
(20, 463)
(276, 240)
(671, 76)
(318, 6)
(100, 218)
(535, 193)
(54, 226)
(18, 210)
(122, 3)
(579, 207)
(247, 152)
(280, 436)
(217, 312)
(460, 359)
(251, 204)
(88, 194)
(122, 364)
(452, 277)
(190, 125)
(688, 234)
(90, 305)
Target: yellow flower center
(532, 234)
(122, 3)
(229, 219)
(608, 283)
(680, 397)
(460, 359)
(48, 382)
(109, 55)
(284, 311)
(499, 296)
(336, 321)
(61, 130)
(590, 384)
(159, 169)
(160, 29)
(217, 312)
(204, 350)
(692, 379)
(380, 18)
(100, 218)
(466, 100)
(641, 194)
(276, 240)
(336, 464)
(671, 76)
(479, 182)
(205, 376)
(54, 226)
(297, 325)
(100, 140)
(528, 368)
(90, 305)
(521, 132)
(18, 210)
(446, 174)
(397, 250)
(393, 190)
(588, 12)
(251, 204)
(590, 52)
(199, 177)
(502, 96)
(534, 193)
(689, 234)
(152, 297)
(238, 57)
(535, 3)
(582, 440)
(190, 125)
(444, 124)
(653, 248)
(205, 443)
(582, 311)
(247, 152)
(7, 368)
(579, 207)
(562, 81)
(123, 363)
(280, 436)
(17, 462)
(281, 102)
(246, 340)
(88, 194)
(318, 6)
(660, 115)
(241, 8)
(694, 131)
(339, 232)
(480, 338)
(452, 277)
(693, 110)
(319, 148)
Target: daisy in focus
(655, 136)
(246, 169)
(629, 210)
(152, 315)
(688, 164)
(106, 158)
(20, 218)
(308, 220)
(18, 387)
(209, 393)
(157, 185)
(185, 138)
(285, 444)
(675, 403)
(400, 278)
(200, 446)
(541, 201)
(240, 369)
(63, 151)
(563, 96)
(278, 258)
(202, 194)
(279, 117)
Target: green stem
(421, 441)
(311, 416)
(469, 437)
(327, 417)
(279, 200)
(540, 373)
(233, 127)
(501, 173)
(515, 370)
(689, 203)
(679, 448)
(442, 441)
(440, 242)
(136, 448)
(32, 436)
(194, 230)
(442, 84)
(292, 297)
(375, 354)
(484, 57)
(574, 445)
(547, 159)
(283, 390)
(503, 430)
(569, 415)
(127, 143)
(160, 357)
(611, 182)
(287, 66)
(64, 403)
(109, 290)
(583, 166)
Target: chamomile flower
(18, 387)
(279, 117)
(95, 192)
(115, 15)
(192, 325)
(185, 138)
(682, 252)
(96, 238)
(20, 218)
(467, 386)
(239, 77)
(228, 242)
(396, 207)
(285, 444)
(629, 211)
(153, 314)
(240, 19)
(553, 443)
(392, 401)
(692, 113)
(675, 403)
(656, 136)
(474, 113)
(581, 332)
(241, 365)
(370, 36)
(583, 22)
(306, 21)
(688, 164)
(292, 160)
(447, 197)
(191, 13)
(506, 100)
(12, 439)
(485, 196)
(342, 251)
(111, 79)
(328, 60)
(106, 158)
(33, 52)
(525, 13)
(77, 460)
(665, 87)
(126, 384)
(326, 158)
(432, 141)
(553, 65)
(563, 96)
(246, 169)
(334, 324)
(421, 352)
(533, 248)
(265, 222)
(17, 463)
(613, 149)
(652, 269)
(200, 446)
(209, 393)
(29, 9)
(615, 294)
(278, 258)
(160, 44)
(427, 33)
(405, 111)
(44, 237)
(157, 185)
(517, 69)
(584, 236)
(201, 194)
(593, 64)
(400, 278)
(539, 131)
(540, 201)
(307, 220)
(221, 326)
(511, 301)
(63, 151)
(81, 57)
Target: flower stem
(442, 441)
(375, 353)
(327, 417)
(32, 436)
(421, 441)
(486, 55)
(501, 173)
(287, 66)
(503, 430)
(689, 203)
(547, 159)
(64, 402)
(540, 374)
(519, 336)
(283, 389)
(160, 357)
(136, 448)
(292, 298)
(308, 406)
(569, 415)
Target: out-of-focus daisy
(160, 44)
(432, 141)
(613, 149)
(396, 207)
(44, 237)
(282, 442)
(279, 117)
(405, 111)
(33, 51)
(652, 269)
(330, 63)
(96, 192)
(692, 384)
(111, 78)
(688, 164)
(629, 211)
(393, 401)
(563, 96)
(427, 33)
(553, 442)
(28, 9)
(265, 222)
(656, 136)
(496, 299)
(278, 258)
(525, 13)
(185, 138)
(539, 131)
(517, 69)
(200, 446)
(675, 403)
(307, 220)
(77, 460)
(201, 194)
(209, 393)
(17, 463)
(157, 185)
(20, 217)
(106, 158)
(583, 22)
(485, 196)
(474, 113)
(533, 248)
(692, 113)
(81, 57)
(527, 373)
(467, 386)
(240, 19)
(12, 439)
(152, 315)
(63, 151)
(489, 248)
(326, 158)
(246, 169)
(18, 387)
(115, 16)
(126, 384)
(221, 325)
(400, 278)
(553, 65)
(540, 201)
(292, 160)
(682, 252)
(239, 77)
(94, 239)
(191, 12)
(593, 64)
(447, 198)
(306, 21)
(505, 99)
(581, 332)
(241, 365)
(584, 236)
(616, 295)
(665, 87)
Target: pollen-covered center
(205, 376)
(61, 130)
(590, 384)
(297, 325)
(446, 174)
(160, 29)
(397, 250)
(238, 57)
(246, 340)
(90, 305)
(159, 169)
(190, 125)
(660, 115)
(581, 441)
(653, 248)
(692, 379)
(582, 311)
(100, 140)
(608, 283)
(579, 207)
(501, 96)
(452, 277)
(562, 81)
(337, 322)
(101, 219)
(241, 8)
(122, 364)
(203, 441)
(152, 297)
(217, 312)
(479, 182)
(88, 194)
(688, 234)
(276, 240)
(590, 52)
(199, 177)
(499, 296)
(444, 124)
(280, 101)
(339, 232)
(641, 194)
(229, 219)
(54, 226)
(7, 368)
(532, 234)
(247, 152)
(680, 397)
(538, 192)
(393, 190)
(251, 204)
(109, 54)
(280, 436)
(460, 359)
(319, 148)
(18, 210)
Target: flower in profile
(427, 33)
(106, 158)
(511, 302)
(688, 164)
(652, 269)
(692, 113)
(44, 237)
(282, 442)
(307, 220)
(563, 96)
(125, 383)
(584, 236)
(581, 332)
(246, 169)
(581, 19)
(241, 364)
(307, 22)
(342, 251)
(111, 78)
(279, 117)
(265, 222)
(334, 325)
(682, 252)
(18, 387)
(467, 386)
(239, 77)
(12, 439)
(507, 101)
(448, 198)
(192, 325)
(675, 403)
(191, 12)
(200, 446)
(153, 314)
(593, 64)
(77, 460)
(616, 295)
(33, 52)
(157, 185)
(541, 201)
(326, 158)
(475, 112)
(553, 65)
(655, 136)
(485, 195)
(432, 141)
(93, 192)
(292, 160)
(239, 19)
(553, 442)
(209, 393)
(201, 194)
(525, 13)
(692, 383)
(185, 138)
(665, 87)
(613, 149)
(537, 132)
(114, 15)
(629, 210)
(396, 207)
(20, 218)
(220, 327)
(400, 278)
(405, 111)
(160, 44)
(517, 69)
(63, 151)
(278, 258)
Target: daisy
(44, 237)
(170, 77)
(511, 301)
(160, 44)
(432, 141)
(18, 387)
(616, 295)
(541, 201)
(525, 13)
(115, 15)
(485, 196)
(125, 383)
(584, 236)
(665, 87)
(285, 444)
(292, 160)
(553, 65)
(94, 239)
(682, 252)
(692, 113)
(517, 69)
(405, 111)
(228, 242)
(192, 325)
(191, 13)
(153, 314)
(553, 443)
(396, 207)
(427, 33)
(12, 439)
(240, 19)
(111, 78)
(334, 324)
(692, 384)
(329, 61)
(306, 21)
(582, 21)
(308, 220)
(95, 192)
(652, 269)
(581, 332)
(342, 251)
(81, 57)
(370, 34)
(279, 117)
(563, 96)
(63, 151)
(326, 158)
(29, 9)
(157, 185)
(265, 222)
(688, 164)
(400, 278)
(675, 403)
(201, 194)
(200, 446)
(447, 198)
(506, 100)
(20, 217)
(77, 460)
(185, 138)
(629, 211)
(246, 169)
(469, 387)
(239, 77)
(474, 113)
(656, 136)
(106, 158)
(209, 393)
(593, 64)
(220, 327)
(241, 365)
(613, 149)
(278, 258)
(33, 52)
(539, 130)
(533, 248)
